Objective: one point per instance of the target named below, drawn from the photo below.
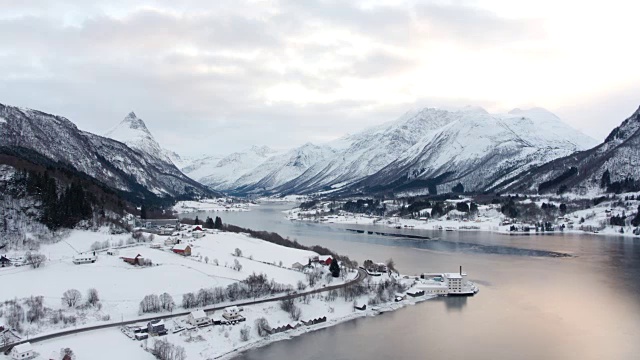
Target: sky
(213, 77)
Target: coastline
(387, 307)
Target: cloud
(221, 76)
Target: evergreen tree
(458, 189)
(143, 211)
(218, 223)
(208, 223)
(636, 220)
(605, 181)
(334, 268)
(196, 221)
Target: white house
(198, 317)
(86, 258)
(22, 351)
(297, 266)
(197, 234)
(232, 313)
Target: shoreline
(411, 224)
(288, 335)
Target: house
(196, 228)
(197, 234)
(171, 241)
(22, 351)
(155, 246)
(198, 318)
(137, 260)
(166, 230)
(150, 223)
(360, 306)
(86, 258)
(297, 266)
(232, 313)
(156, 328)
(182, 249)
(4, 262)
(325, 259)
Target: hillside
(111, 162)
(611, 166)
(477, 150)
(425, 149)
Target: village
(178, 282)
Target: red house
(182, 249)
(325, 259)
(138, 260)
(197, 227)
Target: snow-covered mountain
(223, 172)
(111, 162)
(466, 145)
(619, 155)
(478, 150)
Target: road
(361, 276)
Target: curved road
(361, 276)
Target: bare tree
(237, 252)
(67, 353)
(245, 333)
(206, 259)
(301, 285)
(262, 325)
(236, 265)
(166, 302)
(34, 259)
(14, 315)
(189, 300)
(150, 303)
(71, 298)
(92, 297)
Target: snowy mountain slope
(619, 154)
(365, 153)
(223, 172)
(281, 168)
(133, 132)
(111, 162)
(479, 149)
(469, 144)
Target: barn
(182, 249)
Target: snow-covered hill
(619, 154)
(111, 162)
(479, 150)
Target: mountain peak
(133, 122)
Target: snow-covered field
(220, 204)
(121, 286)
(224, 341)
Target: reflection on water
(529, 307)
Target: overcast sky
(219, 76)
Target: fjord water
(529, 307)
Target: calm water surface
(529, 307)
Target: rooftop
(23, 348)
(199, 314)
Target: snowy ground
(220, 204)
(222, 341)
(122, 286)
